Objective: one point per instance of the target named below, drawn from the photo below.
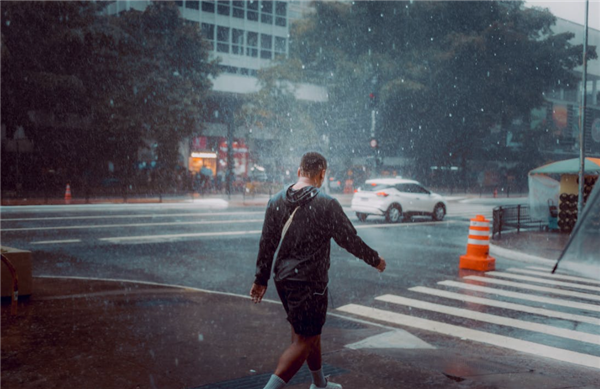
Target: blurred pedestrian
(299, 224)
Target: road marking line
(188, 214)
(542, 281)
(550, 275)
(493, 319)
(172, 236)
(404, 224)
(506, 305)
(57, 241)
(475, 335)
(569, 293)
(522, 296)
(133, 225)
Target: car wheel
(361, 216)
(393, 214)
(438, 213)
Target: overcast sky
(573, 10)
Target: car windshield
(375, 187)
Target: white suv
(397, 198)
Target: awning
(569, 166)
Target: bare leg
(314, 356)
(294, 356)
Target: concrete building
(246, 36)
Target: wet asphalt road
(215, 249)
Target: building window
(208, 30)
(266, 9)
(229, 69)
(237, 40)
(179, 3)
(252, 44)
(238, 9)
(208, 6)
(252, 13)
(192, 4)
(266, 46)
(280, 13)
(280, 46)
(223, 39)
(223, 8)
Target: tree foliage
(125, 78)
(443, 73)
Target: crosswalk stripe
(522, 296)
(474, 335)
(493, 319)
(554, 276)
(540, 268)
(543, 281)
(569, 293)
(506, 305)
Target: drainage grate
(334, 322)
(260, 380)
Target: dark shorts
(305, 304)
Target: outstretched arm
(345, 235)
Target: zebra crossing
(527, 310)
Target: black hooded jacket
(304, 253)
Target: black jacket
(304, 253)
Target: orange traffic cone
(68, 194)
(478, 247)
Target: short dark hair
(312, 163)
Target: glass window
(179, 3)
(208, 30)
(238, 10)
(266, 7)
(266, 19)
(237, 40)
(266, 46)
(280, 21)
(252, 13)
(244, 71)
(375, 187)
(252, 42)
(239, 4)
(223, 8)
(192, 4)
(208, 6)
(223, 39)
(281, 8)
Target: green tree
(443, 72)
(127, 77)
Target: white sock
(318, 378)
(275, 383)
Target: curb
(516, 255)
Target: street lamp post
(582, 115)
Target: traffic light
(372, 100)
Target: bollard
(15, 285)
(478, 247)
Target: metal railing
(513, 217)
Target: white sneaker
(330, 385)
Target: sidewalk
(114, 334)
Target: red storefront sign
(240, 157)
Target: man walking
(312, 218)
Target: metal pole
(582, 115)
(230, 161)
